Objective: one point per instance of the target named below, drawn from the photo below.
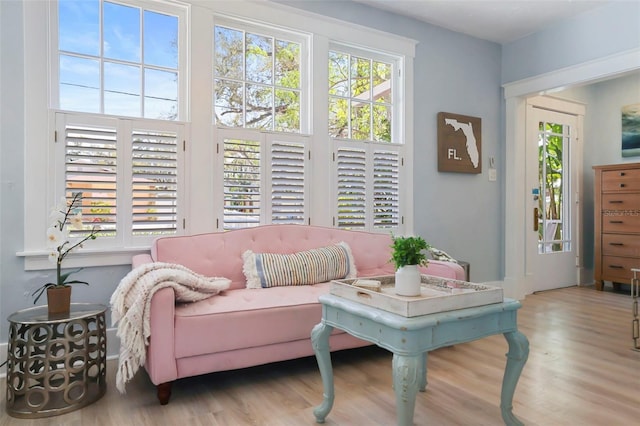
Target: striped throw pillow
(264, 270)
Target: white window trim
(38, 86)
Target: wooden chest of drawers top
(620, 177)
(618, 181)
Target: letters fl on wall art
(459, 143)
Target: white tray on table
(437, 295)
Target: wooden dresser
(617, 223)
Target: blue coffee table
(410, 339)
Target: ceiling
(501, 21)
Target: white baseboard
(113, 349)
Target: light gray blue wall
(598, 33)
(459, 213)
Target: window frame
(156, 6)
(246, 25)
(397, 64)
(397, 145)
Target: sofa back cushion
(318, 265)
(220, 253)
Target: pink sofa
(244, 327)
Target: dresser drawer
(621, 222)
(621, 245)
(624, 202)
(621, 180)
(618, 268)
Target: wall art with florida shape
(459, 143)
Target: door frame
(576, 110)
(516, 283)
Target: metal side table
(56, 364)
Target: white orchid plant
(64, 218)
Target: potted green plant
(407, 254)
(59, 239)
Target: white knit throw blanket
(131, 306)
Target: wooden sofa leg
(164, 392)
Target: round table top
(40, 314)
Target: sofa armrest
(140, 259)
(161, 358)
(444, 269)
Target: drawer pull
(622, 185)
(616, 267)
(616, 221)
(616, 202)
(616, 244)
(622, 173)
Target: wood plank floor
(581, 371)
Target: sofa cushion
(319, 265)
(245, 318)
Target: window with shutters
(127, 173)
(264, 180)
(154, 177)
(368, 153)
(130, 82)
(242, 183)
(118, 92)
(259, 95)
(367, 187)
(91, 160)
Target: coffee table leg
(407, 378)
(516, 358)
(423, 373)
(320, 341)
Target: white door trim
(516, 284)
(572, 112)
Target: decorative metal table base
(55, 365)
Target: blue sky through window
(126, 66)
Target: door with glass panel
(552, 175)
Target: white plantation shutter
(288, 182)
(386, 189)
(264, 178)
(351, 168)
(367, 185)
(242, 177)
(154, 174)
(91, 169)
(128, 173)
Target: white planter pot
(408, 281)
